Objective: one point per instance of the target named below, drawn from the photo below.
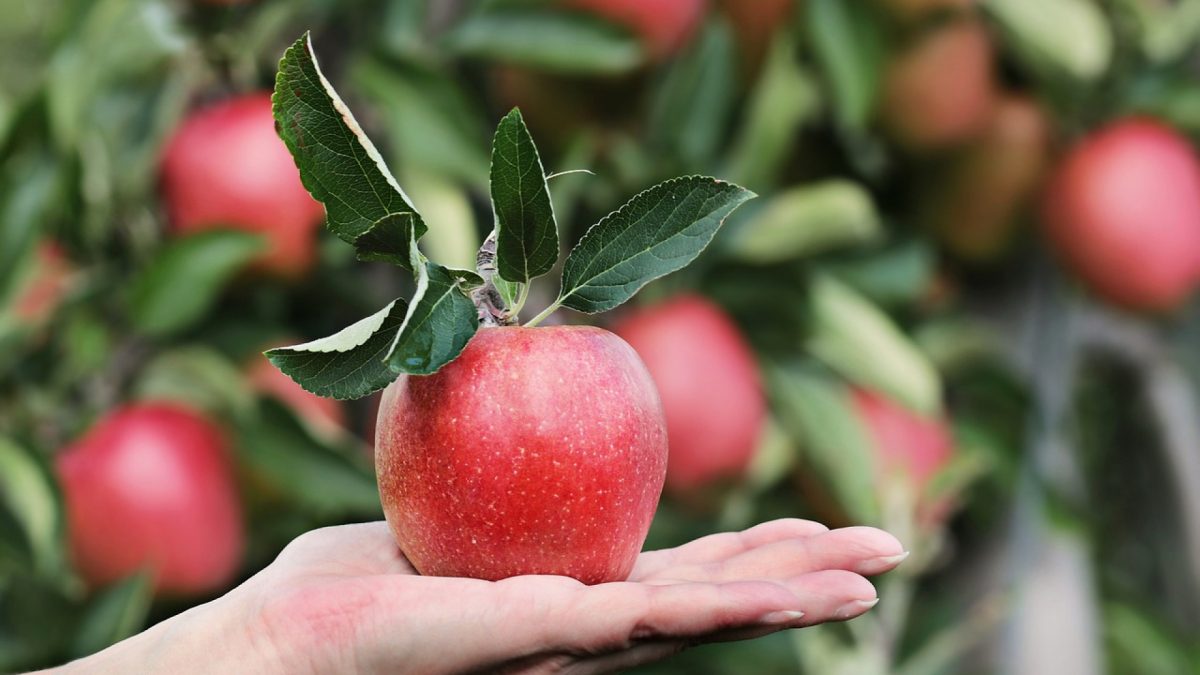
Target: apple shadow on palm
(344, 599)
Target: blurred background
(961, 308)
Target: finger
(831, 595)
(720, 546)
(864, 550)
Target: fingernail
(780, 617)
(872, 565)
(854, 608)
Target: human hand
(345, 600)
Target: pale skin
(344, 600)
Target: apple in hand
(536, 451)
(938, 91)
(664, 26)
(150, 487)
(1123, 211)
(710, 388)
(226, 168)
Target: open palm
(344, 599)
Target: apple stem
(544, 313)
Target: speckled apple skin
(537, 451)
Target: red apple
(150, 486)
(324, 415)
(536, 451)
(226, 167)
(43, 288)
(1123, 210)
(974, 201)
(709, 384)
(905, 442)
(938, 91)
(664, 26)
(755, 23)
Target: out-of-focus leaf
(893, 276)
(338, 163)
(181, 284)
(526, 231)
(773, 459)
(653, 234)
(326, 481)
(29, 188)
(858, 340)
(198, 376)
(834, 444)
(848, 40)
(29, 493)
(692, 105)
(1139, 642)
(806, 220)
(350, 363)
(1057, 37)
(564, 42)
(430, 122)
(455, 239)
(440, 322)
(113, 615)
(784, 98)
(28, 605)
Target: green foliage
(555, 41)
(526, 232)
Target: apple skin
(226, 167)
(150, 485)
(710, 387)
(48, 280)
(973, 203)
(664, 26)
(939, 91)
(1123, 211)
(536, 451)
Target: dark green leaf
(848, 40)
(440, 322)
(29, 193)
(526, 234)
(338, 163)
(350, 363)
(325, 480)
(548, 40)
(653, 234)
(182, 283)
(390, 239)
(29, 493)
(115, 614)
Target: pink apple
(225, 167)
(664, 26)
(325, 415)
(1123, 211)
(709, 384)
(537, 451)
(150, 487)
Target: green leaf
(653, 234)
(548, 40)
(806, 220)
(455, 240)
(29, 493)
(338, 163)
(29, 194)
(692, 106)
(897, 275)
(181, 284)
(834, 444)
(197, 375)
(350, 363)
(858, 340)
(325, 480)
(526, 233)
(390, 239)
(1057, 37)
(115, 614)
(848, 40)
(441, 320)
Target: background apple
(226, 168)
(42, 289)
(1123, 210)
(938, 89)
(537, 451)
(150, 487)
(709, 384)
(324, 415)
(755, 25)
(664, 26)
